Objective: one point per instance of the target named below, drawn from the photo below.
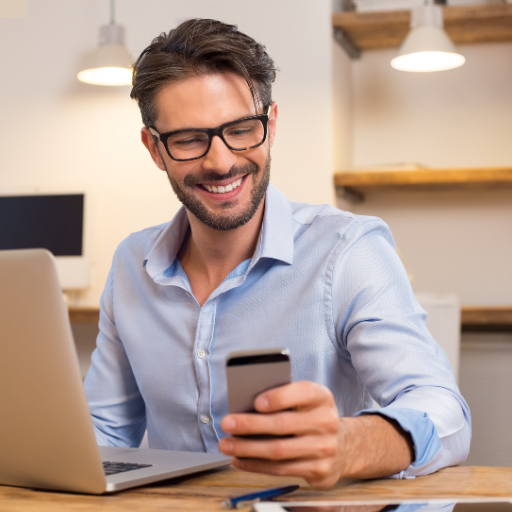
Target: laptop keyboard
(111, 468)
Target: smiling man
(240, 267)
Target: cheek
(259, 156)
(179, 171)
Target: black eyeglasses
(192, 144)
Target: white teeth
(222, 190)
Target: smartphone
(249, 373)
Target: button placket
(204, 335)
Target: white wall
(342, 106)
(452, 118)
(451, 241)
(485, 383)
(58, 134)
(342, 103)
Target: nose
(219, 158)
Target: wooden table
(205, 492)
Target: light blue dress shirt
(323, 283)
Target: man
(240, 267)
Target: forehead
(203, 101)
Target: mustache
(195, 179)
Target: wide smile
(223, 189)
(219, 189)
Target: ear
(272, 123)
(149, 141)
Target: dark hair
(200, 46)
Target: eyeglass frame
(212, 132)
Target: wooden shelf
(351, 185)
(89, 315)
(473, 319)
(464, 24)
(486, 319)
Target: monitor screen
(53, 222)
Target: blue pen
(267, 494)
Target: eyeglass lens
(238, 136)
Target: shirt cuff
(425, 439)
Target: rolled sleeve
(426, 442)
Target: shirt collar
(276, 237)
(275, 240)
(163, 253)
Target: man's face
(208, 101)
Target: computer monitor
(48, 221)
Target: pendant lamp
(111, 64)
(427, 47)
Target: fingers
(298, 395)
(324, 420)
(318, 473)
(303, 411)
(281, 449)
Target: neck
(212, 254)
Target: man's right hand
(323, 447)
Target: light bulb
(106, 76)
(424, 62)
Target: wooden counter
(206, 491)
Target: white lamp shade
(427, 48)
(111, 64)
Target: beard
(228, 220)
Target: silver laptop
(46, 434)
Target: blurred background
(343, 110)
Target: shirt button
(205, 419)
(201, 354)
